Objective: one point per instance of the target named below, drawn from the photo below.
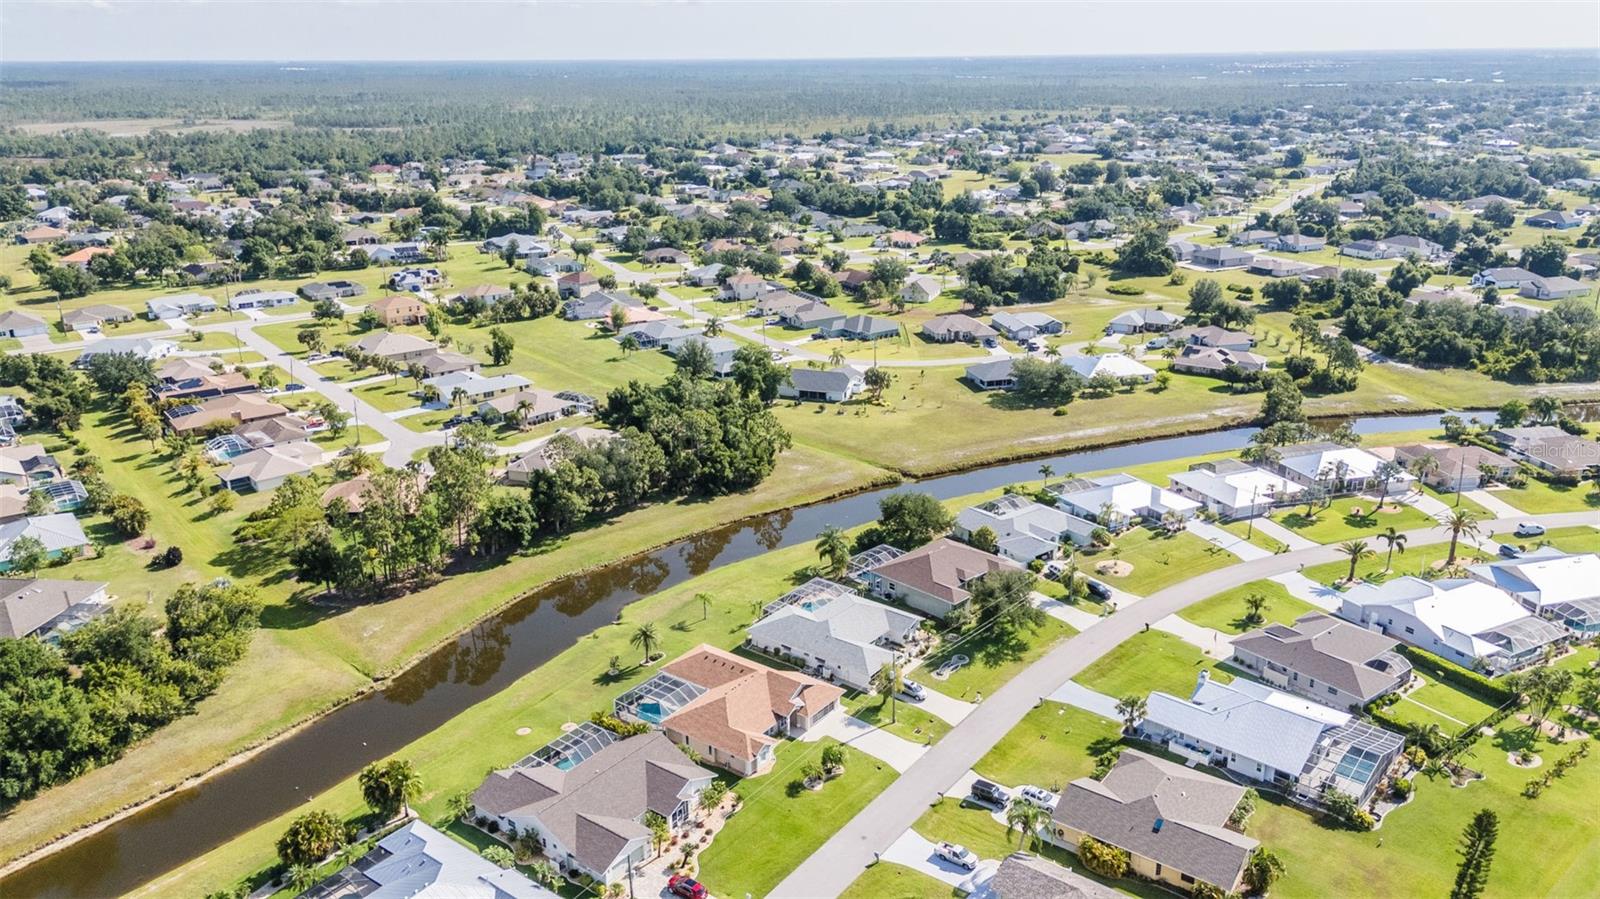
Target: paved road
(837, 863)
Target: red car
(687, 887)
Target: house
(260, 299)
(1504, 278)
(1322, 658)
(1216, 258)
(1437, 212)
(41, 234)
(957, 327)
(232, 409)
(471, 387)
(210, 384)
(577, 284)
(554, 266)
(360, 237)
(59, 533)
(1298, 243)
(263, 432)
(1213, 336)
(400, 309)
(419, 861)
(744, 286)
(143, 347)
(1023, 875)
(597, 305)
(1025, 326)
(1554, 288)
(393, 345)
(486, 294)
(21, 324)
(1412, 245)
(1140, 320)
(1116, 501)
(529, 246)
(786, 246)
(657, 334)
(80, 259)
(399, 253)
(665, 256)
(1340, 469)
(721, 349)
(1274, 267)
(1453, 467)
(587, 808)
(1560, 586)
(1172, 821)
(1232, 489)
(902, 240)
(932, 578)
(1468, 622)
(550, 450)
(1305, 750)
(836, 635)
(179, 305)
(1479, 204)
(30, 606)
(1023, 529)
(1181, 250)
(1366, 249)
(1114, 364)
(853, 279)
(443, 362)
(995, 375)
(1202, 360)
(532, 406)
(317, 291)
(921, 289)
(816, 386)
(266, 468)
(1559, 221)
(864, 327)
(94, 316)
(1549, 448)
(731, 711)
(1254, 237)
(811, 316)
(705, 275)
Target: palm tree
(1027, 818)
(834, 551)
(1255, 606)
(1394, 540)
(705, 605)
(1460, 523)
(524, 406)
(836, 358)
(629, 344)
(888, 682)
(713, 326)
(1132, 709)
(1358, 551)
(645, 638)
(1425, 466)
(1045, 471)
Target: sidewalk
(1213, 643)
(1304, 588)
(1237, 545)
(1494, 504)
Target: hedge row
(1448, 672)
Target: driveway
(1080, 697)
(1233, 543)
(897, 752)
(917, 853)
(942, 706)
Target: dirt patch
(1114, 568)
(1554, 732)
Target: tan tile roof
(743, 699)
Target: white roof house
(1136, 320)
(1127, 497)
(1468, 622)
(1342, 469)
(59, 532)
(1114, 364)
(1271, 736)
(474, 385)
(839, 636)
(143, 347)
(1550, 582)
(1024, 530)
(1234, 489)
(419, 861)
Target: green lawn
(1572, 540)
(1226, 611)
(1409, 562)
(1441, 704)
(1254, 535)
(887, 880)
(1153, 660)
(1466, 502)
(994, 659)
(1052, 746)
(1351, 518)
(899, 717)
(779, 827)
(1159, 560)
(1537, 497)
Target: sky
(394, 30)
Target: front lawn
(1441, 704)
(1466, 502)
(1159, 560)
(779, 826)
(1153, 660)
(1538, 497)
(1052, 746)
(887, 880)
(1410, 562)
(899, 717)
(1351, 518)
(1572, 540)
(1226, 611)
(993, 658)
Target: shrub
(618, 726)
(1102, 859)
(500, 856)
(1124, 290)
(1450, 673)
(1403, 788)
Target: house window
(1410, 631)
(1332, 691)
(1158, 869)
(1186, 878)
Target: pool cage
(1581, 615)
(571, 748)
(809, 595)
(882, 554)
(656, 699)
(1350, 759)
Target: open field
(995, 658)
(1226, 611)
(1158, 559)
(1152, 660)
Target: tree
(1394, 540)
(1106, 860)
(907, 520)
(1477, 854)
(887, 682)
(834, 551)
(1028, 819)
(1282, 402)
(832, 756)
(756, 374)
(1132, 709)
(1262, 870)
(1545, 407)
(660, 830)
(1512, 414)
(310, 838)
(388, 787)
(985, 538)
(129, 515)
(1547, 258)
(1255, 607)
(695, 361)
(877, 381)
(1356, 551)
(28, 554)
(705, 600)
(500, 346)
(889, 273)
(1385, 474)
(645, 637)
(1004, 600)
(1461, 523)
(1144, 253)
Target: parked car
(994, 794)
(688, 888)
(1156, 343)
(1098, 590)
(291, 387)
(1054, 569)
(1507, 551)
(913, 690)
(1529, 529)
(957, 855)
(1038, 796)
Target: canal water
(492, 656)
